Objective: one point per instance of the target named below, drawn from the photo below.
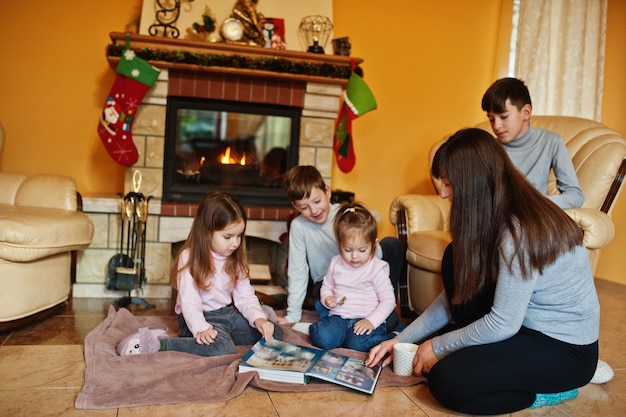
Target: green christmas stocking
(134, 77)
(358, 100)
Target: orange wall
(428, 64)
(54, 79)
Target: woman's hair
(216, 211)
(491, 198)
(354, 219)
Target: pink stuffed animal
(144, 340)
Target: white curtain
(560, 55)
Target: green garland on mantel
(280, 65)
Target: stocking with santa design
(133, 79)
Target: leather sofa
(40, 226)
(421, 221)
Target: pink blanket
(113, 381)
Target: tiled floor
(41, 369)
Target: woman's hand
(206, 337)
(265, 327)
(363, 327)
(384, 352)
(424, 358)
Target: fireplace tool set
(127, 270)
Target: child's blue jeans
(334, 331)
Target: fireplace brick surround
(169, 223)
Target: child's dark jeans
(232, 329)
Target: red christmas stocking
(358, 99)
(342, 144)
(134, 77)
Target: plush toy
(144, 340)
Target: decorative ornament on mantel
(241, 62)
(204, 31)
(315, 32)
(166, 17)
(251, 22)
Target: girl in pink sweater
(356, 288)
(216, 304)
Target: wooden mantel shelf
(160, 43)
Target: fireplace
(317, 98)
(232, 133)
(309, 84)
(241, 148)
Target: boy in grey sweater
(533, 151)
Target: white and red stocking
(358, 100)
(134, 77)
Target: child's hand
(266, 328)
(282, 320)
(363, 327)
(331, 301)
(206, 337)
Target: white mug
(403, 354)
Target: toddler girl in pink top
(356, 288)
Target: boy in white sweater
(312, 242)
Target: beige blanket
(113, 381)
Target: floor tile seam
(269, 397)
(413, 400)
(18, 389)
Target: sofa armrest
(410, 213)
(31, 233)
(421, 212)
(597, 226)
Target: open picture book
(287, 362)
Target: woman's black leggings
(504, 377)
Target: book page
(281, 356)
(345, 371)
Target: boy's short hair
(494, 99)
(299, 181)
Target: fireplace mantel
(318, 62)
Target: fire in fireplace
(238, 147)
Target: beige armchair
(422, 220)
(40, 227)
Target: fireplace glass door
(239, 148)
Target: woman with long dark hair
(518, 289)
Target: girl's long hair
(216, 211)
(490, 199)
